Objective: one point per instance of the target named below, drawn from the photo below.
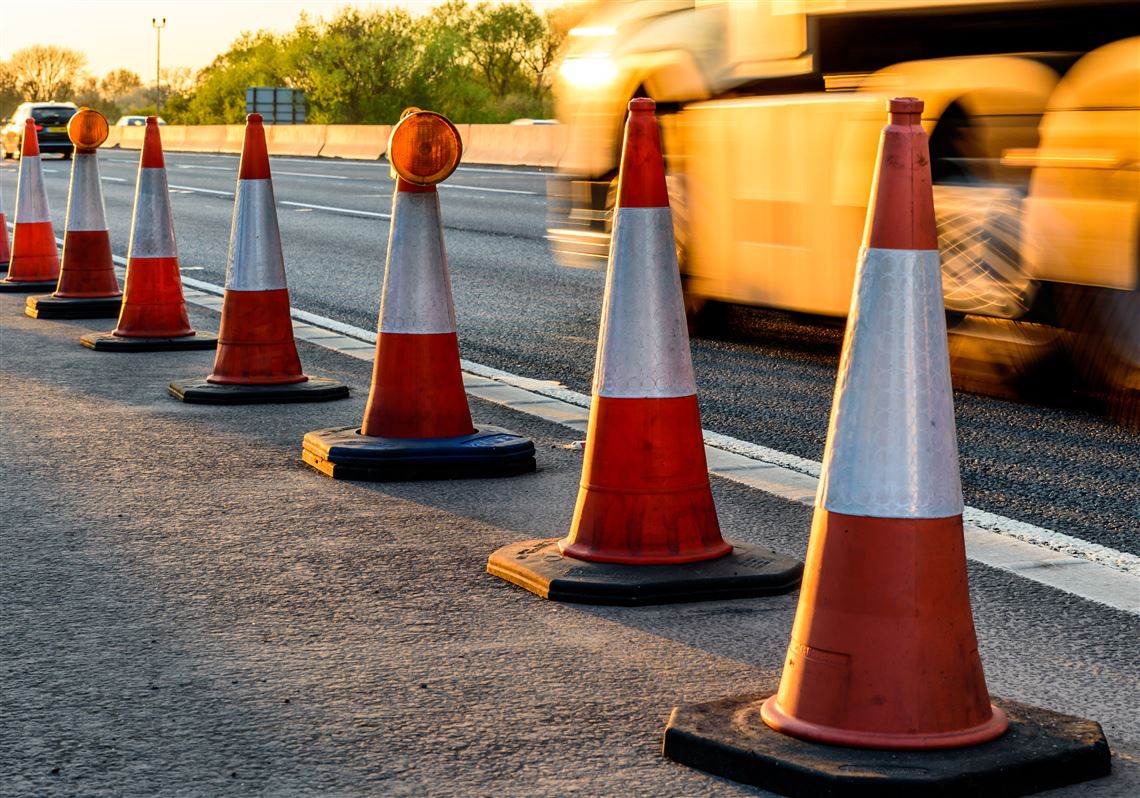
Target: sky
(117, 34)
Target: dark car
(51, 128)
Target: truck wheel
(1103, 343)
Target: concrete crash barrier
(360, 142)
(128, 138)
(203, 138)
(502, 145)
(513, 145)
(303, 140)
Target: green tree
(119, 83)
(354, 68)
(498, 38)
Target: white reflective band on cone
(417, 293)
(85, 202)
(152, 230)
(255, 262)
(643, 345)
(891, 448)
(31, 197)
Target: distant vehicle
(135, 121)
(51, 128)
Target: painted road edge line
(1078, 567)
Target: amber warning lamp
(424, 147)
(87, 130)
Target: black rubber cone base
(59, 307)
(541, 568)
(314, 389)
(26, 288)
(343, 453)
(1040, 751)
(108, 342)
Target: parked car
(51, 128)
(135, 121)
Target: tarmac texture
(188, 609)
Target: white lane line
(200, 166)
(493, 190)
(346, 211)
(202, 190)
(315, 174)
(502, 171)
(114, 179)
(1071, 565)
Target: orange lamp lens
(87, 129)
(424, 148)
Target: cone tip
(905, 110)
(254, 152)
(152, 146)
(641, 183)
(30, 146)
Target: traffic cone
(257, 357)
(417, 424)
(87, 287)
(883, 655)
(153, 315)
(645, 529)
(34, 261)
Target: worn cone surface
(153, 314)
(88, 269)
(34, 259)
(257, 357)
(255, 345)
(153, 305)
(885, 604)
(882, 692)
(645, 530)
(417, 424)
(645, 497)
(417, 386)
(87, 286)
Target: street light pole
(158, 26)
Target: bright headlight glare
(593, 32)
(588, 70)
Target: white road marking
(346, 211)
(195, 190)
(503, 171)
(494, 190)
(1078, 567)
(315, 174)
(114, 179)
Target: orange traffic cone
(5, 252)
(257, 357)
(87, 287)
(883, 655)
(34, 262)
(645, 528)
(417, 424)
(153, 315)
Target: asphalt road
(768, 379)
(186, 609)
